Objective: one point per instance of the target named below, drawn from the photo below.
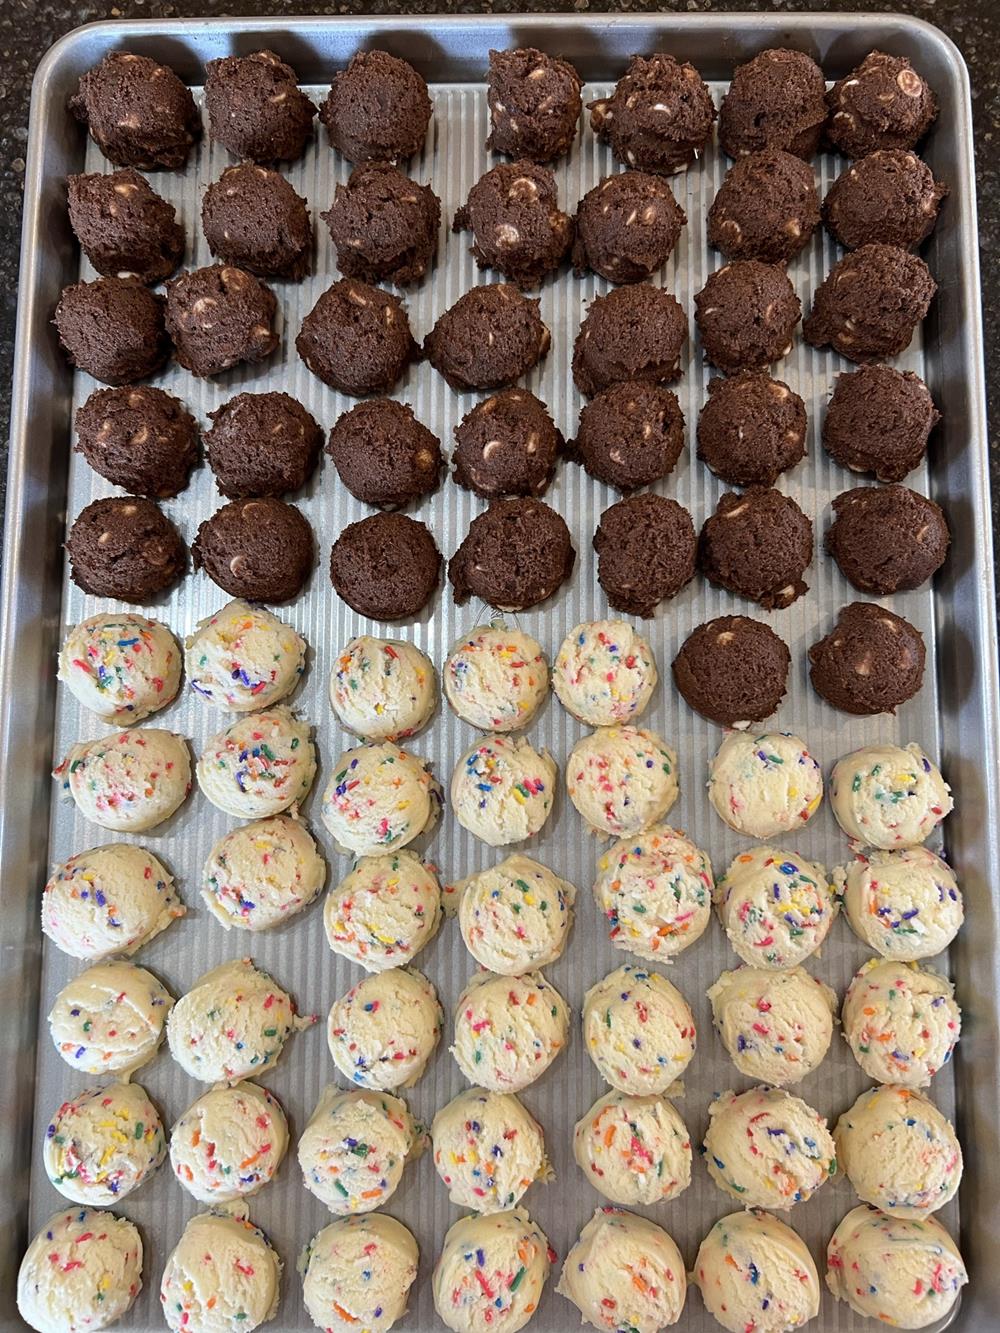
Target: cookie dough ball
(252, 217)
(261, 874)
(124, 227)
(646, 548)
(126, 548)
(110, 1019)
(763, 785)
(899, 1152)
(621, 779)
(624, 1271)
(755, 1272)
(82, 1271)
(878, 420)
(871, 661)
(502, 789)
(515, 917)
(508, 1030)
(259, 765)
(129, 781)
(777, 908)
(243, 658)
(758, 545)
(488, 339)
(384, 1030)
(534, 102)
(870, 303)
(634, 1150)
(474, 1279)
(767, 208)
(883, 103)
(906, 1272)
(256, 109)
(751, 429)
(639, 1030)
(377, 109)
(229, 1143)
(356, 338)
(102, 1145)
(629, 435)
(887, 539)
(632, 333)
(359, 1270)
(107, 901)
(346, 1180)
(139, 438)
(123, 667)
(767, 1148)
(379, 799)
(517, 227)
(384, 912)
(604, 673)
(507, 445)
(659, 117)
(890, 196)
(384, 225)
(219, 317)
(138, 112)
(259, 549)
(904, 904)
(627, 227)
(746, 314)
(221, 1274)
(382, 689)
(732, 670)
(776, 1026)
(776, 101)
(515, 555)
(496, 678)
(487, 1150)
(901, 1022)
(112, 328)
(384, 455)
(386, 566)
(888, 796)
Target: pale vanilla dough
(639, 1030)
(487, 1150)
(496, 678)
(384, 1030)
(129, 781)
(382, 689)
(81, 1272)
(621, 779)
(261, 874)
(244, 658)
(122, 667)
(379, 798)
(776, 907)
(357, 1274)
(490, 1272)
(901, 1021)
(229, 1143)
(764, 785)
(634, 1150)
(502, 789)
(625, 1272)
(905, 904)
(885, 796)
(104, 1143)
(767, 1149)
(755, 1273)
(508, 1030)
(604, 673)
(261, 765)
(110, 1019)
(383, 913)
(346, 1180)
(776, 1026)
(221, 1275)
(515, 917)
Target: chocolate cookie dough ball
(869, 304)
(113, 328)
(488, 339)
(139, 438)
(871, 661)
(887, 539)
(884, 103)
(630, 435)
(260, 549)
(632, 333)
(138, 112)
(256, 109)
(534, 102)
(507, 445)
(732, 670)
(517, 227)
(124, 548)
(890, 196)
(767, 208)
(385, 567)
(251, 216)
(384, 455)
(262, 444)
(879, 420)
(746, 314)
(758, 544)
(627, 227)
(777, 100)
(384, 225)
(377, 109)
(220, 317)
(124, 227)
(646, 549)
(514, 556)
(356, 338)
(751, 429)
(659, 117)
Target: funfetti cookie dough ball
(621, 779)
(112, 328)
(903, 1272)
(261, 874)
(82, 1271)
(487, 1150)
(260, 549)
(229, 1143)
(776, 1026)
(517, 226)
(508, 1030)
(260, 765)
(124, 227)
(659, 117)
(379, 798)
(883, 103)
(359, 1270)
(382, 689)
(732, 670)
(386, 566)
(262, 444)
(356, 338)
(755, 1272)
(491, 1269)
(627, 227)
(346, 1180)
(901, 1021)
(763, 785)
(625, 1271)
(767, 208)
(767, 1148)
(632, 333)
(534, 102)
(221, 1274)
(887, 539)
(888, 196)
(102, 1145)
(138, 112)
(515, 917)
(746, 314)
(870, 303)
(639, 1030)
(219, 317)
(507, 445)
(122, 667)
(125, 548)
(384, 1030)
(751, 429)
(775, 101)
(604, 672)
(384, 225)
(646, 548)
(139, 438)
(634, 1150)
(776, 907)
(243, 658)
(515, 555)
(377, 109)
(905, 904)
(629, 435)
(496, 678)
(252, 216)
(878, 420)
(502, 789)
(256, 109)
(130, 781)
(384, 912)
(757, 544)
(871, 661)
(384, 455)
(110, 1019)
(488, 339)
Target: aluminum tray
(955, 716)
